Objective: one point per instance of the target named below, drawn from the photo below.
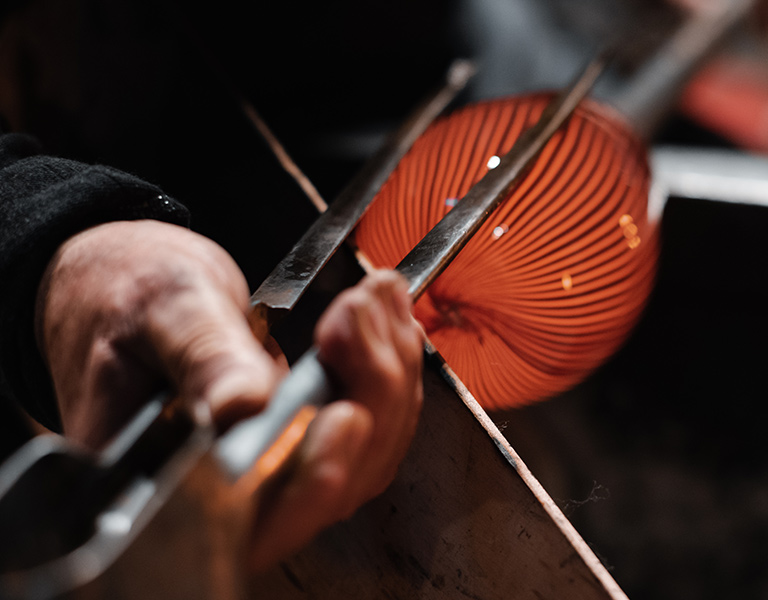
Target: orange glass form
(554, 281)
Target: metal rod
(281, 290)
(648, 96)
(440, 246)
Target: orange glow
(630, 231)
(506, 314)
(279, 453)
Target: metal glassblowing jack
(167, 473)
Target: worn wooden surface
(464, 519)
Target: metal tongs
(308, 383)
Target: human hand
(372, 347)
(127, 307)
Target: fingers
(202, 339)
(318, 492)
(371, 344)
(372, 347)
(369, 332)
(126, 306)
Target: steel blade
(440, 246)
(281, 290)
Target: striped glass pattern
(554, 281)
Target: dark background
(659, 459)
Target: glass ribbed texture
(555, 280)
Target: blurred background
(660, 458)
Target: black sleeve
(43, 201)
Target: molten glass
(555, 280)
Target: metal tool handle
(308, 385)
